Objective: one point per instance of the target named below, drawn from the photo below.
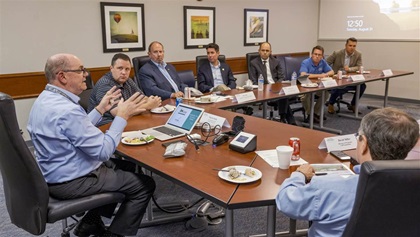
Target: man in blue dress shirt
(327, 201)
(159, 78)
(73, 154)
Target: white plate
(312, 85)
(243, 178)
(203, 102)
(134, 134)
(163, 110)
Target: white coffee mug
(284, 154)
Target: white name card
(214, 120)
(339, 143)
(289, 90)
(329, 83)
(387, 72)
(247, 96)
(358, 77)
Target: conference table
(271, 91)
(194, 171)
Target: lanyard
(55, 90)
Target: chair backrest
(85, 95)
(200, 59)
(187, 77)
(249, 58)
(25, 189)
(281, 59)
(387, 200)
(138, 62)
(292, 64)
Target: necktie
(265, 65)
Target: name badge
(387, 72)
(329, 83)
(214, 120)
(247, 96)
(358, 77)
(339, 143)
(289, 90)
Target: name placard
(289, 90)
(339, 143)
(247, 96)
(214, 120)
(358, 77)
(387, 72)
(329, 83)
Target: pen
(319, 174)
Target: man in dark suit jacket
(214, 73)
(271, 70)
(159, 78)
(347, 60)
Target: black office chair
(340, 100)
(387, 200)
(26, 193)
(187, 77)
(249, 57)
(85, 95)
(292, 64)
(138, 62)
(203, 59)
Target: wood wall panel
(31, 84)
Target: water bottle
(294, 78)
(261, 83)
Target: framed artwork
(256, 26)
(122, 27)
(199, 26)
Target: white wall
(38, 29)
(33, 30)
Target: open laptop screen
(184, 117)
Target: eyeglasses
(80, 70)
(357, 135)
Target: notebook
(181, 122)
(304, 79)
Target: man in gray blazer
(159, 78)
(346, 60)
(271, 70)
(214, 73)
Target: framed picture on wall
(122, 27)
(199, 26)
(256, 26)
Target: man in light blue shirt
(327, 201)
(73, 154)
(159, 78)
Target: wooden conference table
(271, 92)
(194, 171)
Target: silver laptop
(181, 122)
